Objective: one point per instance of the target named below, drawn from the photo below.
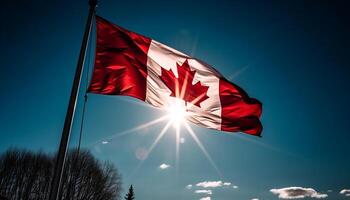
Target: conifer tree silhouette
(130, 195)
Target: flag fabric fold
(130, 64)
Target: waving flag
(130, 64)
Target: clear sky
(291, 55)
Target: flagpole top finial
(93, 3)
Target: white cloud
(205, 198)
(216, 184)
(255, 199)
(346, 192)
(164, 166)
(189, 186)
(182, 140)
(297, 193)
(209, 192)
(343, 191)
(227, 184)
(212, 184)
(104, 142)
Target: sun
(176, 115)
(177, 112)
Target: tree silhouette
(130, 195)
(25, 175)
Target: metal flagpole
(61, 156)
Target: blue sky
(291, 55)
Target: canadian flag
(127, 63)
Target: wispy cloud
(210, 184)
(297, 193)
(209, 192)
(164, 166)
(205, 187)
(214, 184)
(345, 192)
(189, 186)
(105, 142)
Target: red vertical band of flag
(239, 111)
(120, 61)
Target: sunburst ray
(125, 132)
(200, 145)
(154, 144)
(177, 162)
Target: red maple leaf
(182, 87)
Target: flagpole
(61, 156)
